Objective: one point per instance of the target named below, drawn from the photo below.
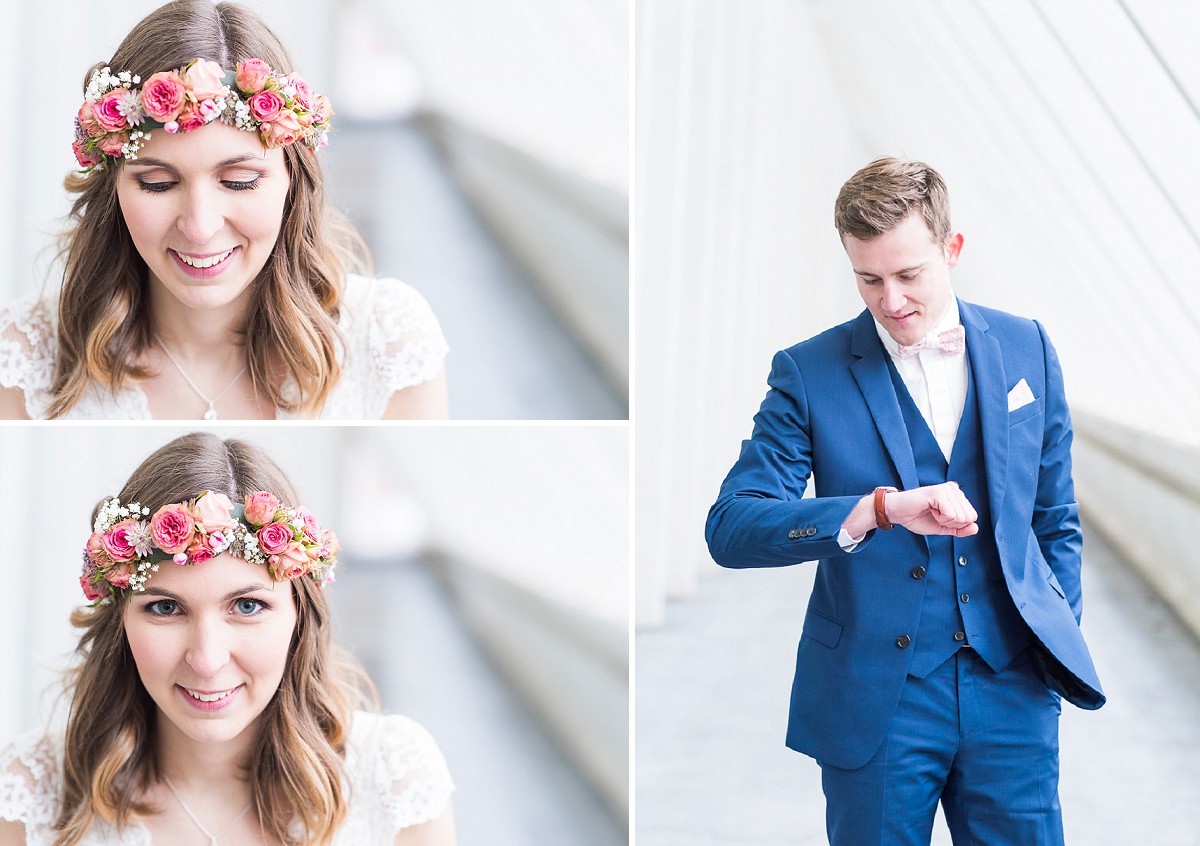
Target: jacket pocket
(1053, 580)
(822, 629)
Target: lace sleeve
(30, 782)
(405, 341)
(410, 778)
(26, 345)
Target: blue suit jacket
(832, 412)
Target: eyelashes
(232, 185)
(245, 607)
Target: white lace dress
(393, 341)
(396, 777)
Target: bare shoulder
(424, 401)
(12, 407)
(438, 832)
(13, 833)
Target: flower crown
(116, 118)
(127, 544)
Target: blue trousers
(984, 744)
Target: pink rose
(265, 106)
(162, 96)
(204, 80)
(89, 589)
(212, 512)
(82, 156)
(95, 550)
(116, 541)
(252, 75)
(311, 530)
(119, 576)
(200, 549)
(172, 527)
(191, 117)
(87, 119)
(261, 507)
(273, 538)
(290, 563)
(107, 113)
(285, 129)
(112, 143)
(303, 95)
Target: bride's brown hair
(109, 758)
(103, 315)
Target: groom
(943, 626)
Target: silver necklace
(211, 413)
(212, 838)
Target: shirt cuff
(847, 543)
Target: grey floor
(514, 787)
(510, 357)
(712, 692)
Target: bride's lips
(203, 272)
(217, 705)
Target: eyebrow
(233, 594)
(142, 161)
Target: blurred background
(481, 147)
(1067, 131)
(484, 584)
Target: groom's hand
(931, 510)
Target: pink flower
(323, 111)
(200, 549)
(119, 576)
(107, 112)
(290, 563)
(95, 550)
(191, 117)
(89, 589)
(330, 546)
(285, 129)
(265, 106)
(162, 96)
(87, 119)
(261, 507)
(212, 512)
(85, 158)
(303, 95)
(172, 527)
(273, 538)
(112, 143)
(204, 80)
(311, 530)
(252, 75)
(116, 541)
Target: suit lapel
(871, 373)
(991, 394)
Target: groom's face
(904, 277)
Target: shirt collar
(949, 319)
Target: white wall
(1070, 175)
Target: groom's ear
(953, 249)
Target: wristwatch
(881, 519)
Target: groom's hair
(879, 196)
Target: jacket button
(903, 641)
(962, 561)
(795, 533)
(810, 531)
(918, 572)
(960, 636)
(965, 597)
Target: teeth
(205, 262)
(209, 697)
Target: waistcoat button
(903, 641)
(918, 572)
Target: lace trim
(27, 343)
(30, 782)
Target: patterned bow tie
(952, 342)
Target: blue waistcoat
(966, 601)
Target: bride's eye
(250, 607)
(161, 608)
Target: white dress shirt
(937, 383)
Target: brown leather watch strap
(881, 519)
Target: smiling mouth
(205, 262)
(210, 697)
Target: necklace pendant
(211, 414)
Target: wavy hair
(878, 197)
(103, 312)
(109, 759)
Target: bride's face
(204, 209)
(211, 643)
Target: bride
(204, 275)
(210, 706)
